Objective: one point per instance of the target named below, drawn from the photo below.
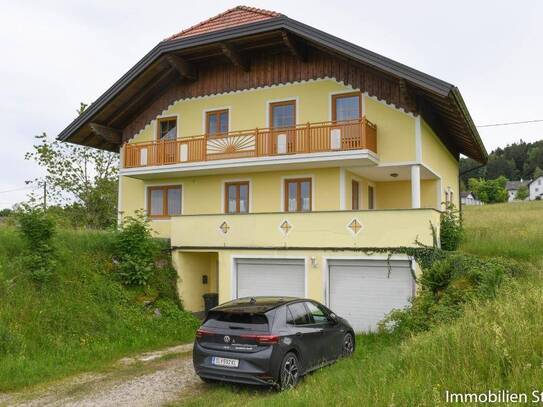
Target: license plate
(217, 361)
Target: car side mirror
(333, 318)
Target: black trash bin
(211, 300)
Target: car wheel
(348, 345)
(290, 372)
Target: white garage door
(270, 277)
(364, 291)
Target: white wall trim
(418, 140)
(120, 211)
(326, 268)
(389, 105)
(257, 161)
(223, 192)
(205, 111)
(415, 186)
(285, 99)
(234, 269)
(283, 192)
(439, 194)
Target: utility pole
(44, 196)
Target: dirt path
(149, 379)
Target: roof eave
(459, 101)
(359, 54)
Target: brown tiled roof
(230, 18)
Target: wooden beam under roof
(234, 56)
(295, 46)
(185, 70)
(153, 86)
(109, 134)
(407, 96)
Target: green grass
(494, 345)
(510, 230)
(83, 318)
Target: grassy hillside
(83, 317)
(511, 230)
(494, 345)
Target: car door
(331, 334)
(305, 335)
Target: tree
(489, 191)
(522, 193)
(500, 166)
(80, 176)
(538, 172)
(534, 160)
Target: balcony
(302, 141)
(330, 229)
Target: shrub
(489, 191)
(445, 287)
(37, 230)
(136, 250)
(451, 229)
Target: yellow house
(280, 160)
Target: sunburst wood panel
(231, 146)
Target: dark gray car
(269, 341)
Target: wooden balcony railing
(301, 139)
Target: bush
(136, 251)
(37, 230)
(451, 229)
(445, 287)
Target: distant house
(468, 198)
(512, 188)
(536, 188)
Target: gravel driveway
(149, 379)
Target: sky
(56, 54)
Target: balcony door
(347, 107)
(166, 152)
(283, 124)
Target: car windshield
(237, 320)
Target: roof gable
(437, 101)
(233, 17)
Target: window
(167, 128)
(318, 314)
(298, 195)
(346, 106)
(164, 201)
(283, 114)
(371, 197)
(297, 314)
(217, 122)
(237, 197)
(355, 195)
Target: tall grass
(82, 318)
(510, 230)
